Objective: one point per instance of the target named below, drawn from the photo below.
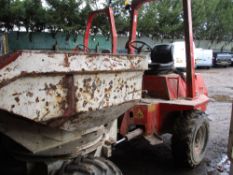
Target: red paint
(171, 86)
(92, 15)
(68, 83)
(165, 91)
(191, 93)
(7, 59)
(135, 6)
(153, 116)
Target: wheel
(139, 48)
(190, 137)
(89, 166)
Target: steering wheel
(81, 47)
(142, 44)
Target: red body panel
(166, 94)
(190, 65)
(171, 86)
(170, 93)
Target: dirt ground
(220, 86)
(139, 158)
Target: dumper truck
(61, 110)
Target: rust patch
(68, 82)
(50, 54)
(23, 73)
(37, 100)
(17, 99)
(47, 104)
(66, 61)
(52, 87)
(84, 103)
(29, 94)
(16, 94)
(49, 88)
(8, 69)
(88, 87)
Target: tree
(17, 11)
(35, 15)
(64, 15)
(199, 18)
(6, 18)
(162, 19)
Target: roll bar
(190, 68)
(109, 12)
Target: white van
(204, 57)
(179, 54)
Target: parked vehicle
(222, 59)
(179, 54)
(232, 59)
(64, 105)
(204, 57)
(174, 102)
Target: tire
(190, 137)
(89, 166)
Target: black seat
(161, 59)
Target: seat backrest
(162, 54)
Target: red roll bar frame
(190, 69)
(109, 12)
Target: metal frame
(109, 12)
(170, 93)
(190, 80)
(135, 6)
(190, 65)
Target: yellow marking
(152, 108)
(139, 114)
(127, 2)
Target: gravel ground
(220, 86)
(138, 158)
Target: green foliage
(162, 19)
(6, 17)
(199, 18)
(34, 17)
(212, 19)
(64, 14)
